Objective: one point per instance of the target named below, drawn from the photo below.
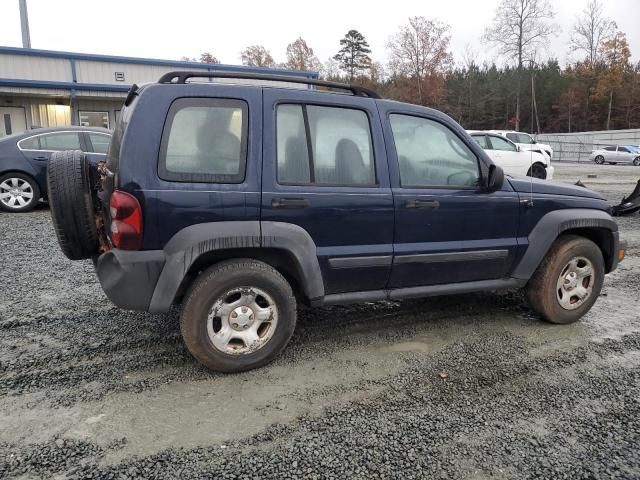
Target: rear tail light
(126, 221)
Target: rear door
(325, 170)
(39, 148)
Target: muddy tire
(238, 315)
(18, 192)
(71, 202)
(568, 281)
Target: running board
(419, 292)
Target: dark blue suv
(241, 201)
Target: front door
(325, 170)
(448, 229)
(12, 120)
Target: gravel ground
(471, 386)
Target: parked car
(526, 142)
(616, 154)
(512, 158)
(23, 161)
(241, 202)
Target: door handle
(289, 203)
(430, 204)
(41, 158)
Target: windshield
(633, 149)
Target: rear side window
(204, 140)
(52, 142)
(324, 146)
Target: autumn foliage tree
(519, 29)
(300, 56)
(419, 50)
(257, 56)
(615, 56)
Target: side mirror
(495, 179)
(518, 149)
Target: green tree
(353, 56)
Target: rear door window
(324, 145)
(205, 140)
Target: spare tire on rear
(71, 202)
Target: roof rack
(182, 77)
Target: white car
(526, 142)
(512, 158)
(616, 154)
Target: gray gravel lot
(471, 386)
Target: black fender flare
(186, 246)
(554, 223)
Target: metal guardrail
(577, 151)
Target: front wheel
(18, 192)
(568, 281)
(238, 315)
(636, 161)
(537, 170)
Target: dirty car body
(345, 197)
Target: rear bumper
(130, 278)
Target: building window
(94, 119)
(44, 115)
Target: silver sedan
(617, 154)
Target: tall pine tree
(353, 57)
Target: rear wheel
(599, 160)
(18, 192)
(71, 202)
(568, 281)
(537, 170)
(238, 315)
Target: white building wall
(104, 72)
(35, 68)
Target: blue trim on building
(149, 61)
(20, 83)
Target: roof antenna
(531, 177)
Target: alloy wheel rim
(242, 321)
(16, 193)
(575, 283)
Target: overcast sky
(170, 30)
